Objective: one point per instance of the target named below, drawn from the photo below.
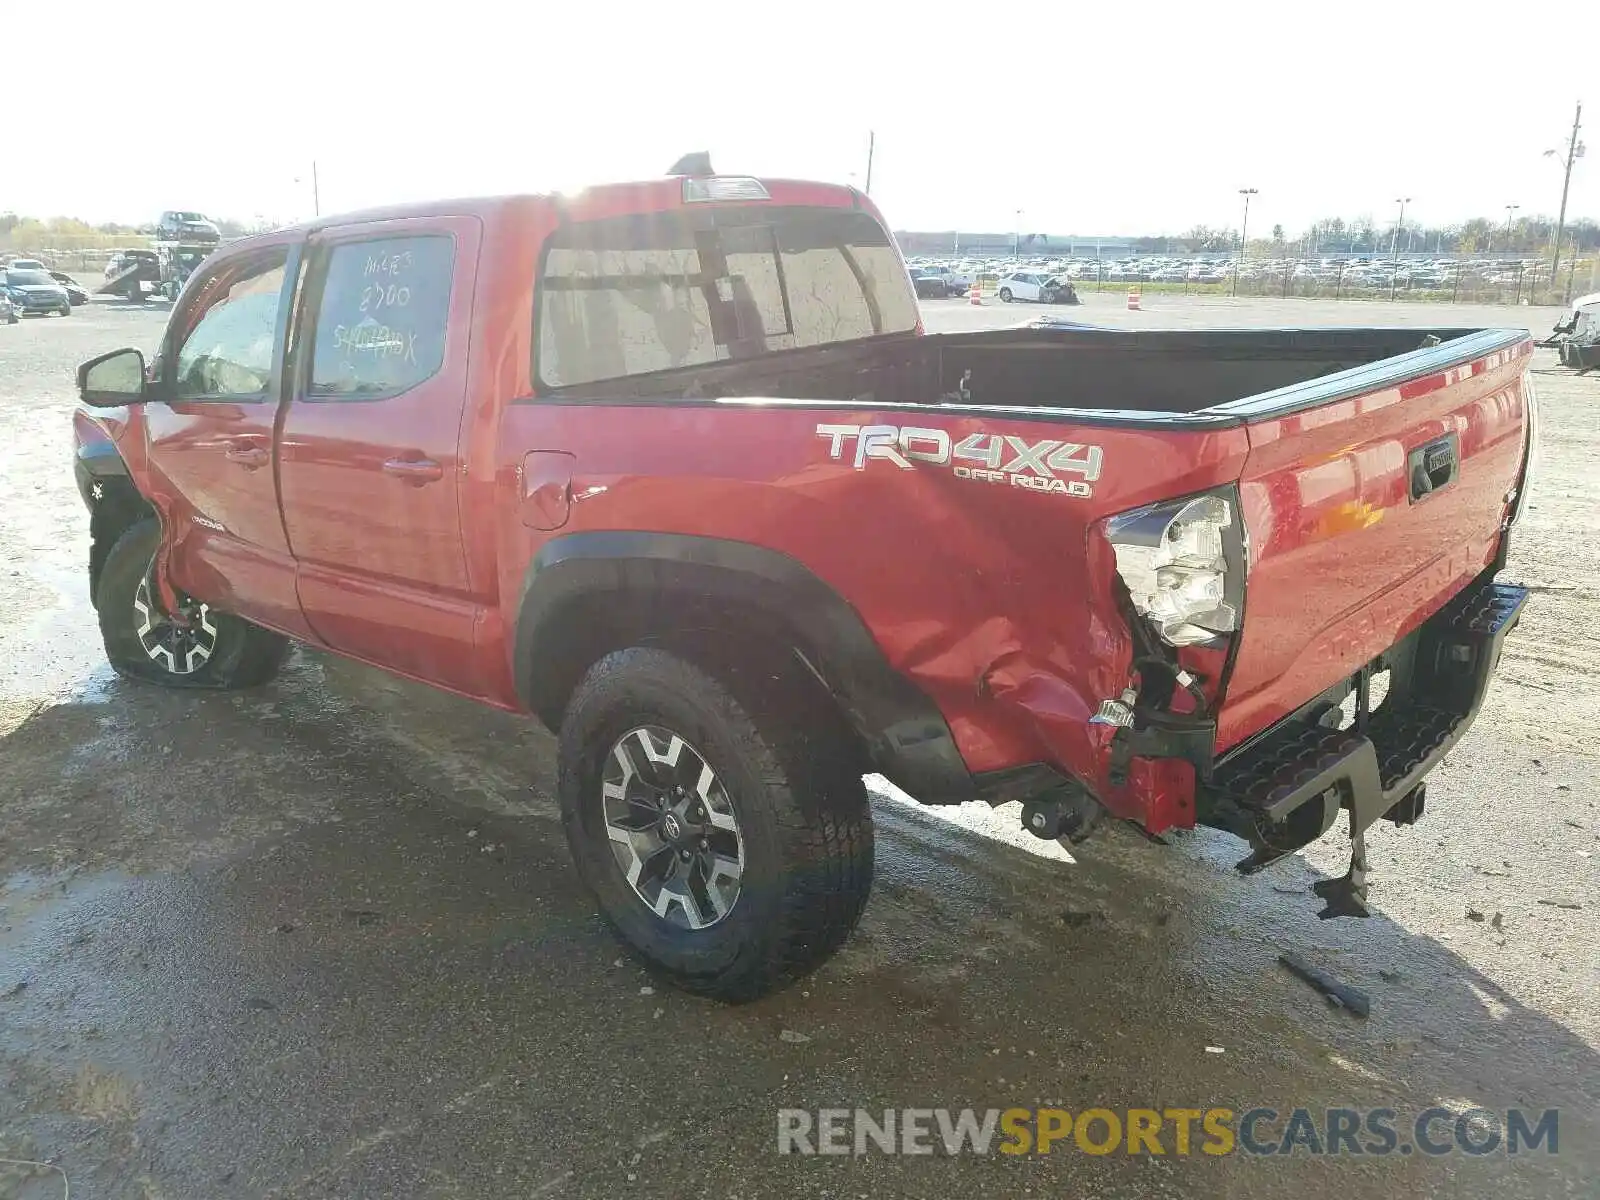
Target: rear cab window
(632, 296)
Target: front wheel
(1005, 294)
(65, 310)
(197, 647)
(723, 830)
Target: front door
(370, 449)
(217, 383)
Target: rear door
(1367, 512)
(370, 446)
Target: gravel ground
(321, 939)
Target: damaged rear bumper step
(1286, 788)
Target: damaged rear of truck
(1305, 618)
(1240, 578)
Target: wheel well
(739, 641)
(119, 508)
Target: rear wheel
(1005, 294)
(722, 828)
(197, 647)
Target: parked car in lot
(33, 291)
(1030, 285)
(76, 293)
(740, 539)
(928, 284)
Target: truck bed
(1141, 377)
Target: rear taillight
(1183, 564)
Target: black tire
(240, 654)
(66, 309)
(794, 787)
(1005, 294)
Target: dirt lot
(322, 939)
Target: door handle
(248, 457)
(415, 471)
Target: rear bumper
(1284, 789)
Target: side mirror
(112, 379)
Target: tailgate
(1370, 498)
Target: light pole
(872, 142)
(1244, 234)
(1510, 208)
(1394, 246)
(316, 194)
(1573, 154)
(1016, 238)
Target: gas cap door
(546, 486)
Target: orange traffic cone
(976, 295)
(1133, 297)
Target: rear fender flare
(904, 732)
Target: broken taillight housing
(1183, 565)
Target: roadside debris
(1570, 904)
(1214, 1050)
(1336, 991)
(789, 1035)
(1389, 976)
(1075, 919)
(1474, 915)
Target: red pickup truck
(673, 466)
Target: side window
(381, 319)
(232, 331)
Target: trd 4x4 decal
(988, 457)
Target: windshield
(635, 295)
(23, 278)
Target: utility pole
(1244, 235)
(1016, 238)
(316, 194)
(1510, 208)
(1394, 246)
(872, 140)
(1574, 153)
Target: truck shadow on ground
(323, 938)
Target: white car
(1021, 285)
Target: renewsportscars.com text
(1175, 1131)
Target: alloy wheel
(177, 647)
(672, 827)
